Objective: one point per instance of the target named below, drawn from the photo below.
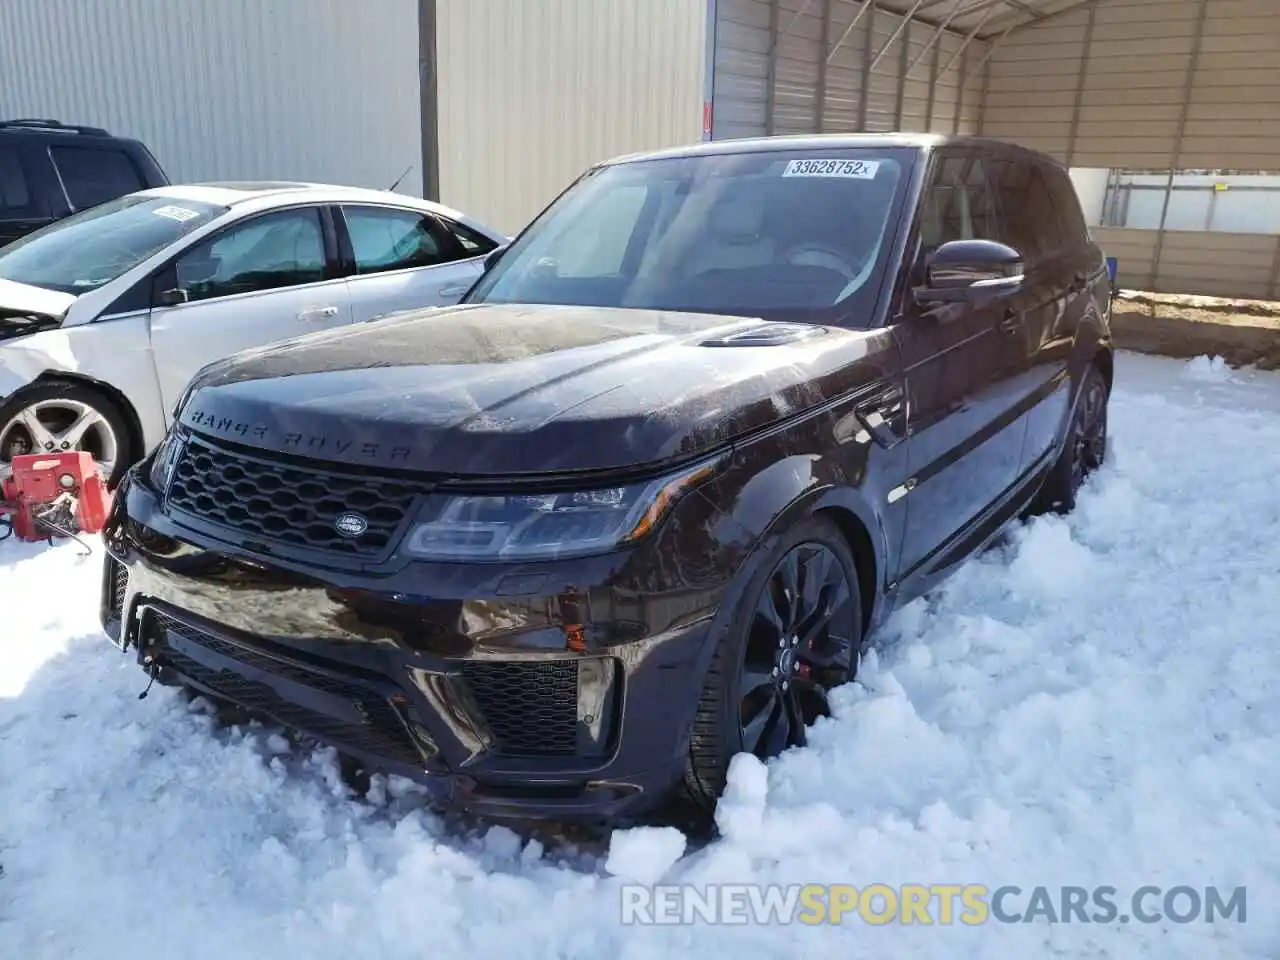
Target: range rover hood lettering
(509, 390)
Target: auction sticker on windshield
(857, 169)
(181, 214)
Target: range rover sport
(636, 504)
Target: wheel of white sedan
(60, 417)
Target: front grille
(382, 735)
(117, 576)
(286, 503)
(531, 708)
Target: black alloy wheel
(794, 633)
(799, 646)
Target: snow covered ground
(1094, 703)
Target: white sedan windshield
(92, 248)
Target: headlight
(163, 461)
(545, 526)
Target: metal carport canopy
(1138, 84)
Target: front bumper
(572, 699)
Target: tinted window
(275, 250)
(473, 244)
(383, 239)
(16, 200)
(780, 234)
(959, 205)
(94, 247)
(1070, 217)
(93, 176)
(1026, 205)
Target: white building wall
(323, 90)
(532, 92)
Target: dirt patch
(1242, 332)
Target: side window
(93, 175)
(384, 239)
(959, 205)
(473, 244)
(16, 200)
(1026, 204)
(1067, 203)
(275, 250)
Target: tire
(1083, 451)
(56, 406)
(718, 728)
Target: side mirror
(971, 271)
(493, 256)
(171, 298)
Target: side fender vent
(768, 334)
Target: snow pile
(644, 854)
(1208, 369)
(1092, 703)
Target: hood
(25, 309)
(486, 390)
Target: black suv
(50, 170)
(637, 503)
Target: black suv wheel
(796, 635)
(1085, 449)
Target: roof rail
(54, 125)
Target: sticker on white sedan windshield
(181, 214)
(857, 169)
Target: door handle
(1010, 325)
(454, 289)
(882, 417)
(318, 313)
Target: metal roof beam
(866, 5)
(1020, 21)
(969, 38)
(925, 7)
(937, 35)
(893, 37)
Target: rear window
(94, 175)
(799, 235)
(1067, 204)
(16, 199)
(1030, 217)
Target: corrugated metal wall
(1159, 85)
(1192, 261)
(532, 93)
(1155, 84)
(237, 89)
(827, 53)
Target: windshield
(92, 248)
(779, 234)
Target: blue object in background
(1113, 266)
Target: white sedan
(105, 316)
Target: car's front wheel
(58, 417)
(795, 635)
